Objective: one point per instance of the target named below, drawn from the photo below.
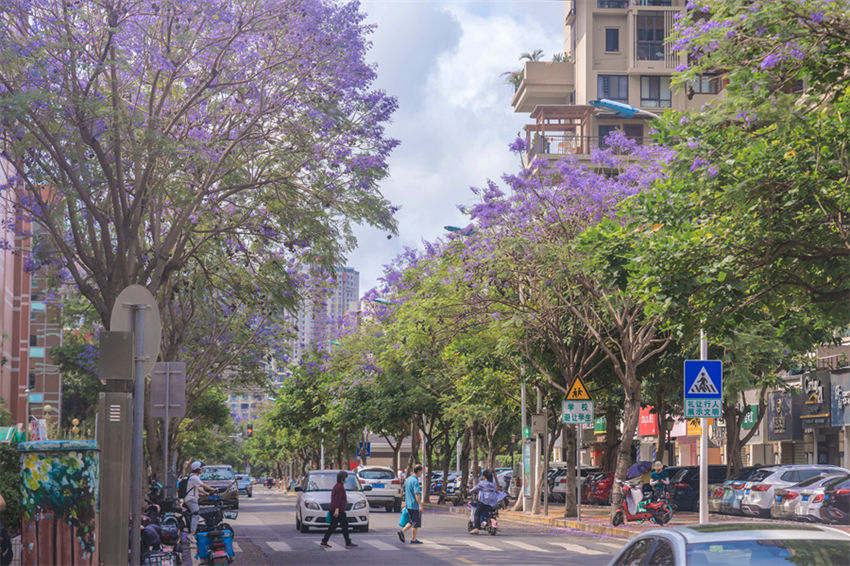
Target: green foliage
(10, 486)
(5, 414)
(81, 386)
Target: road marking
(279, 546)
(480, 545)
(236, 547)
(577, 548)
(426, 544)
(332, 548)
(524, 546)
(380, 545)
(612, 545)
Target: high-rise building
(613, 49)
(319, 321)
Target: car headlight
(312, 505)
(232, 487)
(360, 505)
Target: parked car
(386, 487)
(599, 488)
(436, 481)
(243, 485)
(684, 485)
(811, 498)
(314, 501)
(786, 499)
(836, 504)
(504, 478)
(727, 497)
(559, 482)
(759, 490)
(452, 483)
(728, 544)
(223, 480)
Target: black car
(836, 504)
(684, 494)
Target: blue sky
(443, 61)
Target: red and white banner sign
(648, 424)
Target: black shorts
(415, 516)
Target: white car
(314, 499)
(759, 492)
(734, 544)
(812, 496)
(386, 487)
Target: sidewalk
(597, 519)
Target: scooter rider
(659, 480)
(193, 489)
(489, 496)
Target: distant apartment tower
(613, 49)
(320, 321)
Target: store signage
(695, 428)
(816, 402)
(783, 417)
(600, 425)
(648, 424)
(840, 399)
(751, 417)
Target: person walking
(194, 487)
(413, 504)
(337, 511)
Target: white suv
(386, 487)
(759, 491)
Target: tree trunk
(464, 462)
(570, 438)
(447, 460)
(734, 417)
(426, 485)
(476, 466)
(414, 445)
(631, 415)
(345, 450)
(612, 440)
(661, 426)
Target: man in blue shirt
(413, 504)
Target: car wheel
(617, 518)
(364, 529)
(251, 494)
(304, 528)
(397, 507)
(297, 523)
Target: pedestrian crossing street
(483, 544)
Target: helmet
(196, 465)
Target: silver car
(314, 499)
(386, 487)
(812, 496)
(759, 492)
(786, 499)
(737, 544)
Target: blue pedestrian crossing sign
(703, 388)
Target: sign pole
(138, 428)
(703, 446)
(579, 430)
(165, 428)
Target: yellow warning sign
(578, 391)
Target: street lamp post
(668, 425)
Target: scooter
(489, 518)
(636, 508)
(214, 537)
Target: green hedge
(10, 487)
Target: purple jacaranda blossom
(770, 61)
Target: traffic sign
(577, 412)
(703, 388)
(578, 391)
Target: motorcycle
(269, 483)
(215, 537)
(636, 507)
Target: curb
(516, 517)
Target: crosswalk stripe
(577, 548)
(380, 545)
(611, 545)
(524, 546)
(279, 546)
(332, 548)
(480, 545)
(236, 547)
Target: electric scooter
(635, 508)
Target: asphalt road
(266, 535)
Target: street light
(623, 109)
(668, 424)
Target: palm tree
(535, 55)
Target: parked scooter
(215, 537)
(635, 507)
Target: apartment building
(613, 49)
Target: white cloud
(444, 61)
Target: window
(653, 2)
(650, 36)
(31, 382)
(612, 3)
(33, 340)
(613, 87)
(636, 553)
(603, 133)
(706, 84)
(612, 40)
(792, 476)
(663, 555)
(634, 132)
(655, 92)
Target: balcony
(544, 83)
(559, 130)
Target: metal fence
(16, 551)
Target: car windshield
(770, 552)
(377, 474)
(813, 480)
(214, 474)
(744, 475)
(326, 482)
(761, 475)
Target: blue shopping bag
(405, 518)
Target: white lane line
(279, 546)
(577, 548)
(480, 545)
(524, 546)
(429, 544)
(236, 547)
(332, 548)
(380, 545)
(611, 545)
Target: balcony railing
(615, 4)
(566, 145)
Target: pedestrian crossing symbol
(703, 388)
(703, 384)
(578, 391)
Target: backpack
(5, 547)
(181, 487)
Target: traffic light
(250, 431)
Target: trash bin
(59, 481)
